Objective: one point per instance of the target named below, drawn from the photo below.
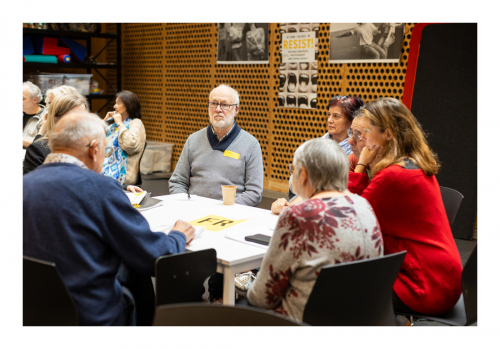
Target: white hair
(33, 90)
(235, 93)
(326, 164)
(76, 130)
(57, 91)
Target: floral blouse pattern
(308, 236)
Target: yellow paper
(215, 223)
(231, 154)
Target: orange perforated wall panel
(173, 68)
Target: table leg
(228, 286)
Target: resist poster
(299, 65)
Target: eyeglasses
(340, 98)
(107, 151)
(356, 136)
(291, 169)
(223, 106)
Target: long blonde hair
(61, 105)
(57, 91)
(408, 141)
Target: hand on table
(134, 189)
(186, 229)
(278, 206)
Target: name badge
(231, 154)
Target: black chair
(218, 315)
(356, 293)
(451, 200)
(139, 177)
(464, 313)
(180, 277)
(46, 300)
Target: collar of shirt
(64, 158)
(216, 135)
(39, 114)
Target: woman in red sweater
(406, 198)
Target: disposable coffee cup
(228, 194)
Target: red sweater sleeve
(353, 161)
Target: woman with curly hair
(330, 226)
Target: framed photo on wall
(366, 42)
(243, 43)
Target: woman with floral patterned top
(330, 226)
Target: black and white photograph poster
(366, 42)
(243, 43)
(299, 65)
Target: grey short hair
(76, 130)
(57, 91)
(326, 163)
(34, 90)
(236, 94)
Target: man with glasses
(221, 154)
(82, 221)
(356, 142)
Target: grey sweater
(202, 170)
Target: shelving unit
(88, 66)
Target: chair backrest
(139, 177)
(217, 315)
(180, 277)
(451, 200)
(46, 299)
(356, 293)
(469, 287)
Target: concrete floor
(157, 184)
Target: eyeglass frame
(350, 133)
(220, 104)
(340, 98)
(291, 169)
(108, 149)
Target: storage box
(156, 158)
(44, 81)
(79, 81)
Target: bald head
(227, 90)
(82, 135)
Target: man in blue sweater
(84, 223)
(221, 154)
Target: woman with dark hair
(406, 198)
(340, 116)
(127, 136)
(340, 111)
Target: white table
(232, 256)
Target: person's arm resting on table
(127, 232)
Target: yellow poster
(215, 223)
